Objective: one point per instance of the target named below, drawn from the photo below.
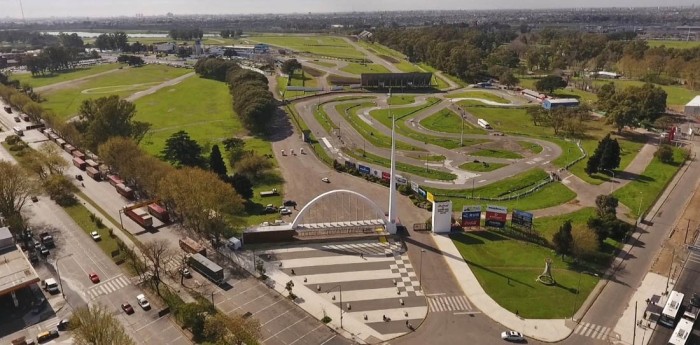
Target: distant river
(131, 34)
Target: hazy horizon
(105, 8)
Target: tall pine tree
(610, 158)
(216, 162)
(562, 239)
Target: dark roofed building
(407, 80)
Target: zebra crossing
(694, 257)
(592, 331)
(108, 286)
(448, 303)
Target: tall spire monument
(391, 227)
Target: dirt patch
(676, 242)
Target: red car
(126, 307)
(95, 278)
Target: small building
(168, 47)
(693, 107)
(533, 95)
(550, 104)
(604, 74)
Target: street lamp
(420, 273)
(461, 137)
(121, 210)
(611, 182)
(58, 271)
(340, 288)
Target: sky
(106, 8)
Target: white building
(693, 107)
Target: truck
(47, 239)
(79, 163)
(192, 247)
(124, 191)
(159, 212)
(18, 131)
(94, 173)
(8, 109)
(114, 180)
(272, 192)
(140, 216)
(78, 154)
(69, 148)
(91, 163)
(206, 267)
(483, 124)
(51, 286)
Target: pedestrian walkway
(449, 304)
(651, 289)
(108, 286)
(592, 331)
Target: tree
(242, 185)
(238, 330)
(107, 117)
(15, 188)
(550, 83)
(610, 156)
(216, 162)
(253, 165)
(289, 66)
(95, 325)
(508, 79)
(664, 154)
(538, 115)
(60, 189)
(585, 241)
(235, 148)
(606, 206)
(562, 239)
(157, 253)
(181, 150)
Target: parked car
(326, 180)
(43, 250)
(285, 211)
(94, 278)
(290, 203)
(95, 236)
(126, 307)
(270, 208)
(46, 336)
(143, 302)
(63, 325)
(512, 336)
(695, 300)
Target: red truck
(94, 173)
(159, 212)
(114, 180)
(124, 191)
(79, 163)
(191, 246)
(79, 154)
(140, 216)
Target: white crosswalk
(448, 303)
(108, 286)
(694, 257)
(592, 331)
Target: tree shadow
(629, 176)
(268, 178)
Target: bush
(326, 319)
(664, 154)
(12, 140)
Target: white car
(326, 180)
(512, 336)
(143, 302)
(285, 211)
(95, 236)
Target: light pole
(420, 273)
(340, 288)
(461, 137)
(639, 210)
(121, 210)
(60, 282)
(611, 182)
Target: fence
(584, 154)
(534, 188)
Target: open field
(507, 268)
(378, 139)
(358, 68)
(324, 63)
(448, 121)
(43, 80)
(396, 58)
(297, 80)
(201, 107)
(411, 169)
(81, 216)
(318, 45)
(673, 44)
(532, 147)
(124, 82)
(677, 95)
(642, 192)
(481, 167)
(401, 99)
(479, 94)
(497, 154)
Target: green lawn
(429, 173)
(297, 80)
(532, 147)
(429, 158)
(674, 44)
(367, 131)
(448, 121)
(677, 95)
(479, 94)
(401, 99)
(201, 107)
(398, 59)
(507, 270)
(642, 192)
(481, 167)
(318, 45)
(628, 150)
(547, 226)
(497, 154)
(124, 82)
(43, 80)
(81, 216)
(323, 63)
(441, 84)
(358, 68)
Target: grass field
(323, 63)
(532, 147)
(412, 169)
(673, 44)
(479, 94)
(448, 121)
(367, 131)
(642, 192)
(201, 107)
(81, 216)
(66, 101)
(297, 80)
(318, 45)
(398, 59)
(507, 268)
(401, 99)
(43, 80)
(677, 95)
(358, 68)
(497, 154)
(548, 226)
(481, 167)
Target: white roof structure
(695, 102)
(561, 100)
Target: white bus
(483, 124)
(18, 130)
(670, 312)
(681, 333)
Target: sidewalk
(651, 289)
(540, 329)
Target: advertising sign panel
(471, 216)
(401, 180)
(430, 197)
(496, 216)
(414, 187)
(363, 169)
(442, 216)
(422, 193)
(522, 218)
(376, 173)
(386, 176)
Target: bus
(18, 130)
(670, 312)
(681, 333)
(483, 124)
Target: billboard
(363, 169)
(414, 187)
(350, 165)
(496, 216)
(422, 193)
(386, 176)
(522, 218)
(430, 197)
(400, 180)
(471, 216)
(442, 216)
(376, 173)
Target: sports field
(124, 82)
(43, 80)
(319, 45)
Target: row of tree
(131, 60)
(570, 121)
(633, 106)
(117, 40)
(230, 33)
(186, 34)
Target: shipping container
(140, 216)
(207, 268)
(54, 136)
(191, 246)
(61, 142)
(79, 163)
(114, 180)
(69, 148)
(94, 173)
(91, 163)
(124, 191)
(79, 154)
(159, 212)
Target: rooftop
(562, 100)
(695, 102)
(15, 270)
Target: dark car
(290, 203)
(79, 177)
(695, 300)
(63, 325)
(43, 250)
(126, 307)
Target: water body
(85, 34)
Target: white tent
(234, 243)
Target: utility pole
(668, 280)
(461, 137)
(686, 232)
(634, 330)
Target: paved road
(154, 89)
(375, 59)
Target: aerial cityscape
(322, 173)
